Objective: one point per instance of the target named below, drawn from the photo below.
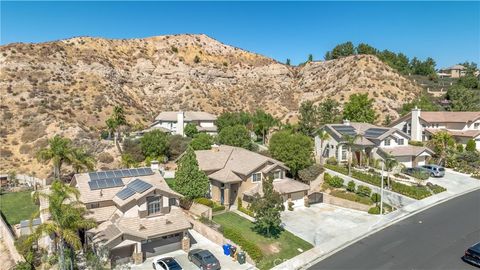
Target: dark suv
(472, 255)
(204, 259)
(435, 170)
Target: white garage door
(162, 245)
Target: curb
(375, 230)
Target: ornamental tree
(294, 149)
(267, 210)
(190, 181)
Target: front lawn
(274, 250)
(17, 206)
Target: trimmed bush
(471, 146)
(205, 201)
(435, 188)
(364, 191)
(217, 208)
(251, 248)
(311, 173)
(332, 161)
(351, 186)
(376, 197)
(335, 181)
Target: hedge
(364, 191)
(333, 181)
(251, 248)
(207, 202)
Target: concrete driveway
(321, 223)
(456, 183)
(200, 242)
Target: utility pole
(381, 192)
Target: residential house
(372, 142)
(455, 71)
(137, 214)
(463, 126)
(235, 173)
(175, 122)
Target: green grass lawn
(275, 250)
(17, 206)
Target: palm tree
(66, 219)
(349, 141)
(442, 143)
(390, 164)
(59, 151)
(82, 160)
(323, 136)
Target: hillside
(70, 86)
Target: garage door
(121, 255)
(162, 245)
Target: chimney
(154, 165)
(346, 122)
(416, 127)
(180, 123)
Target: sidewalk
(459, 185)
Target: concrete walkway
(459, 184)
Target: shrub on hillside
(351, 186)
(333, 181)
(364, 191)
(105, 158)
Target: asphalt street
(433, 239)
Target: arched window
(154, 205)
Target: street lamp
(381, 192)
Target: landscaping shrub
(374, 210)
(205, 201)
(351, 186)
(364, 191)
(251, 248)
(335, 181)
(435, 188)
(376, 197)
(310, 173)
(471, 146)
(290, 206)
(416, 143)
(351, 197)
(105, 158)
(331, 161)
(242, 209)
(217, 208)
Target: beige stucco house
(137, 214)
(235, 173)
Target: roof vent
(141, 227)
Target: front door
(414, 162)
(222, 195)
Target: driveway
(456, 183)
(321, 223)
(201, 242)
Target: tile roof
(101, 214)
(456, 133)
(282, 186)
(449, 117)
(361, 128)
(406, 150)
(226, 161)
(188, 116)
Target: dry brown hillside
(70, 86)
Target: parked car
(472, 255)
(420, 172)
(435, 170)
(204, 259)
(167, 263)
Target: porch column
(226, 194)
(137, 253)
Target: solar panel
(110, 174)
(118, 182)
(141, 171)
(93, 185)
(102, 175)
(148, 171)
(125, 193)
(345, 130)
(93, 176)
(127, 173)
(375, 132)
(118, 173)
(139, 185)
(102, 183)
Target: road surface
(433, 239)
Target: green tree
(287, 62)
(308, 118)
(134, 150)
(442, 144)
(229, 119)
(267, 209)
(463, 99)
(66, 219)
(294, 149)
(190, 181)
(343, 50)
(154, 144)
(177, 144)
(202, 141)
(190, 130)
(471, 145)
(359, 108)
(59, 151)
(364, 48)
(469, 81)
(310, 58)
(128, 161)
(262, 122)
(116, 119)
(329, 112)
(237, 135)
(82, 160)
(322, 136)
(423, 102)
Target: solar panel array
(136, 186)
(375, 132)
(105, 183)
(345, 130)
(120, 173)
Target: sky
(449, 32)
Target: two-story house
(175, 122)
(421, 125)
(137, 214)
(235, 173)
(373, 142)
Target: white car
(167, 263)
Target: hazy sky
(449, 32)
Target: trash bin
(233, 250)
(241, 257)
(226, 249)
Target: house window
(401, 141)
(344, 153)
(387, 142)
(172, 201)
(94, 205)
(476, 125)
(153, 205)
(277, 175)
(257, 177)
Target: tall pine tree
(190, 181)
